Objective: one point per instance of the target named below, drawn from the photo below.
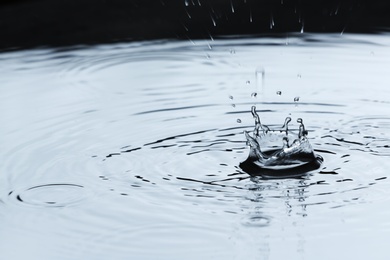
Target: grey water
(132, 150)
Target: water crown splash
(290, 160)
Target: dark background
(36, 23)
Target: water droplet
(248, 82)
(299, 75)
(271, 22)
(279, 93)
(302, 130)
(296, 99)
(213, 20)
(260, 79)
(238, 120)
(231, 97)
(233, 105)
(232, 51)
(254, 94)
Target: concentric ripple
(134, 150)
(51, 195)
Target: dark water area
(133, 150)
(37, 23)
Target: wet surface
(133, 150)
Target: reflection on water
(133, 150)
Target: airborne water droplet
(248, 82)
(231, 97)
(279, 93)
(260, 79)
(213, 20)
(296, 99)
(254, 94)
(238, 120)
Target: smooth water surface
(132, 151)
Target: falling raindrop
(248, 82)
(231, 97)
(342, 32)
(188, 14)
(260, 78)
(233, 105)
(238, 120)
(254, 94)
(213, 20)
(337, 10)
(296, 99)
(271, 22)
(299, 75)
(279, 93)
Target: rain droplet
(254, 94)
(248, 82)
(214, 22)
(299, 75)
(232, 51)
(231, 97)
(238, 120)
(279, 93)
(233, 105)
(260, 79)
(296, 99)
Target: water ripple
(127, 148)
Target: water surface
(132, 151)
